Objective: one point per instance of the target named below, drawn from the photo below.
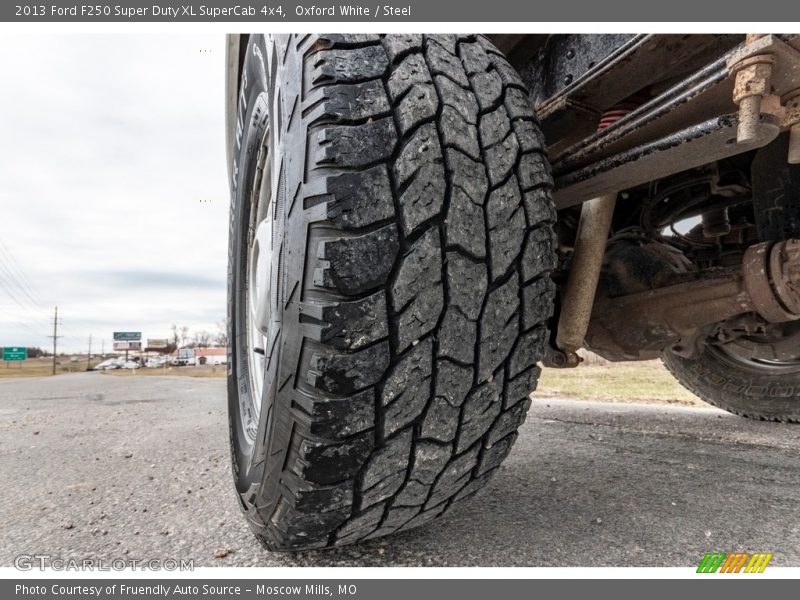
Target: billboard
(127, 336)
(124, 346)
(157, 344)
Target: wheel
(390, 248)
(756, 376)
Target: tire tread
(427, 224)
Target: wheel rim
(762, 353)
(759, 364)
(259, 275)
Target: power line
(12, 319)
(19, 289)
(14, 289)
(29, 328)
(18, 300)
(25, 283)
(38, 325)
(9, 284)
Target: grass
(646, 382)
(39, 367)
(42, 367)
(204, 371)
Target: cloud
(108, 145)
(158, 281)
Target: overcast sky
(113, 185)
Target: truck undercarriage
(696, 197)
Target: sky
(113, 186)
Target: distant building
(211, 356)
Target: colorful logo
(736, 562)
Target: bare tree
(202, 338)
(184, 334)
(180, 335)
(221, 339)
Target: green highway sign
(15, 353)
(127, 336)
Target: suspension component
(584, 273)
(772, 279)
(587, 259)
(616, 112)
(752, 84)
(623, 108)
(642, 324)
(791, 102)
(765, 66)
(716, 223)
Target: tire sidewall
(739, 390)
(252, 123)
(338, 249)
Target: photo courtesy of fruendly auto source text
(420, 299)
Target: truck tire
(390, 247)
(742, 385)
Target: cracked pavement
(98, 466)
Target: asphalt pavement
(98, 466)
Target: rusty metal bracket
(752, 84)
(767, 66)
(786, 59)
(681, 112)
(692, 147)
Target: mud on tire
(413, 242)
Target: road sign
(157, 344)
(15, 353)
(127, 336)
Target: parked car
(155, 362)
(184, 357)
(110, 363)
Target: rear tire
(410, 221)
(724, 381)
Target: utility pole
(55, 337)
(89, 354)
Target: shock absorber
(587, 258)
